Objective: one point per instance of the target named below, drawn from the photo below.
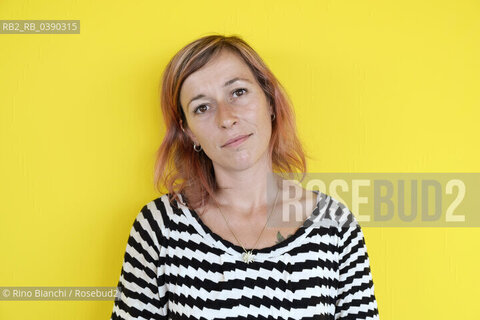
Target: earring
(273, 116)
(195, 148)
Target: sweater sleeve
(141, 284)
(355, 294)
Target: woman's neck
(247, 191)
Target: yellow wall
(388, 86)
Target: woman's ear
(188, 132)
(181, 125)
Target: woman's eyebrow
(229, 82)
(226, 84)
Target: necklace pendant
(248, 256)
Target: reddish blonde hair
(176, 159)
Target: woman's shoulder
(165, 202)
(335, 212)
(159, 211)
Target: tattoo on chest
(280, 238)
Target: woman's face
(223, 101)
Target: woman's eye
(201, 107)
(239, 92)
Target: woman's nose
(225, 115)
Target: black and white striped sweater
(175, 267)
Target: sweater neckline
(261, 253)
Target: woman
(219, 245)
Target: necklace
(248, 256)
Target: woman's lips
(237, 141)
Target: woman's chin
(236, 163)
